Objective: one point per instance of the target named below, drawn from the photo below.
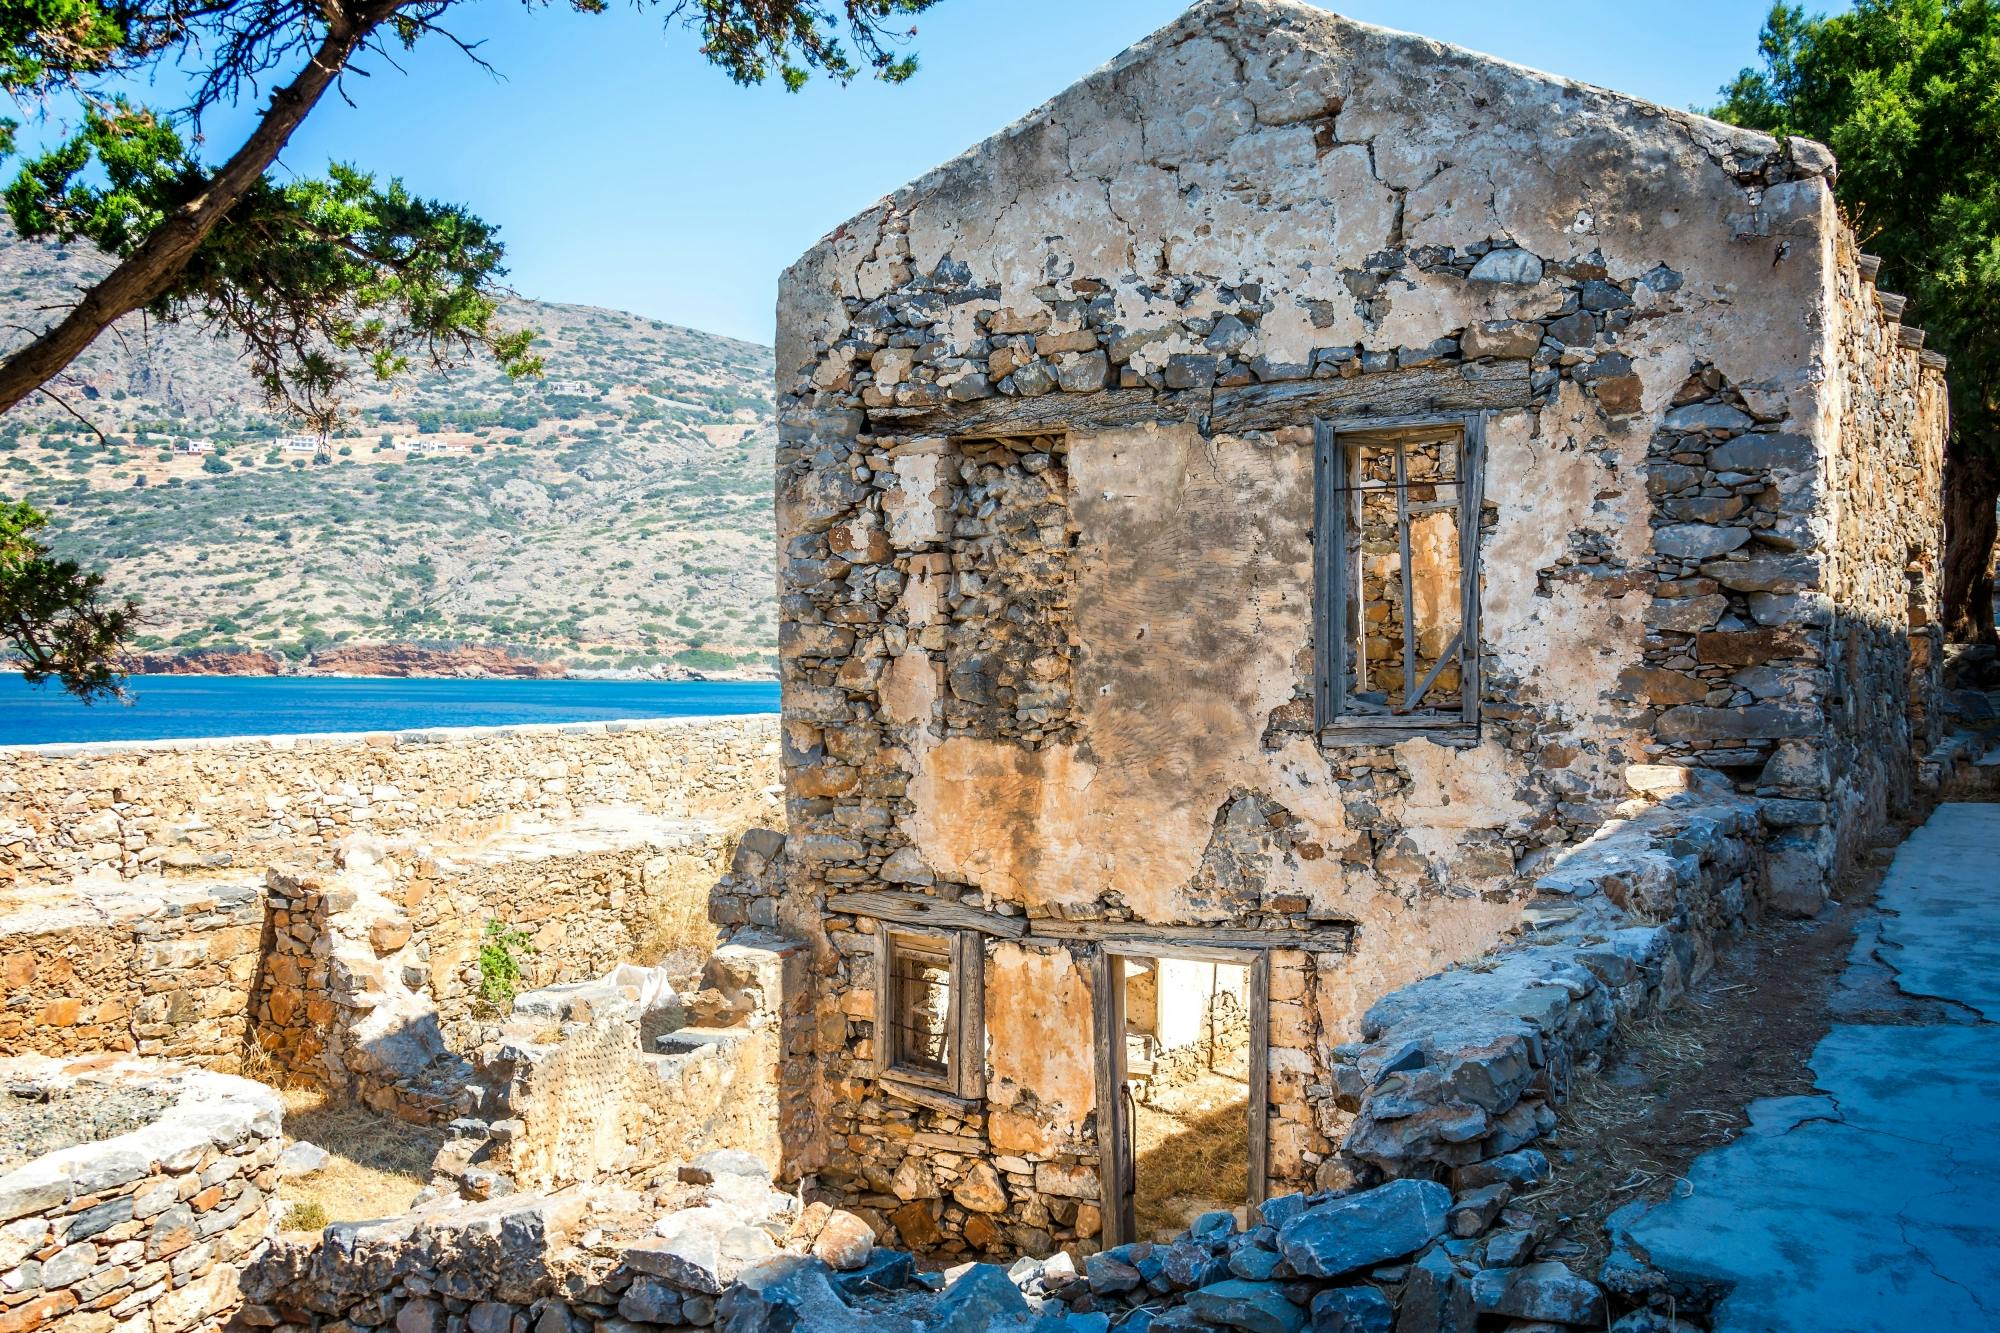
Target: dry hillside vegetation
(615, 513)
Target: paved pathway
(1872, 1207)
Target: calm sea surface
(178, 706)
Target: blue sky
(624, 171)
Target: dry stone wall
(357, 968)
(1879, 587)
(621, 1080)
(203, 806)
(1159, 283)
(1474, 1063)
(149, 966)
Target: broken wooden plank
(1330, 937)
(1417, 392)
(1101, 409)
(915, 909)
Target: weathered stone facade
(1056, 427)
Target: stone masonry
(236, 805)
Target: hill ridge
(614, 515)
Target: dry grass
(1610, 1107)
(376, 1163)
(675, 926)
(1193, 1146)
(1678, 1083)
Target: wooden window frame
(964, 1078)
(1333, 441)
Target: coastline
(167, 709)
(618, 675)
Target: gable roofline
(1205, 15)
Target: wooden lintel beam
(1101, 409)
(1388, 395)
(1332, 937)
(916, 909)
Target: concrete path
(1873, 1207)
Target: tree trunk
(150, 270)
(1971, 488)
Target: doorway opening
(1185, 1074)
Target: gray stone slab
(1869, 1207)
(1941, 926)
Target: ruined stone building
(1256, 511)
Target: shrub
(499, 968)
(307, 1215)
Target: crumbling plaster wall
(1262, 214)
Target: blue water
(165, 707)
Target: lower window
(928, 1028)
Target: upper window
(928, 1013)
(1397, 548)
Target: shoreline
(583, 677)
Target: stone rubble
(143, 1231)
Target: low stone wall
(572, 1262)
(357, 964)
(147, 1231)
(149, 966)
(1471, 1064)
(127, 809)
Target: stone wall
(147, 1231)
(356, 967)
(374, 974)
(1882, 553)
(621, 1080)
(373, 982)
(150, 966)
(1474, 1062)
(598, 1261)
(1047, 505)
(201, 806)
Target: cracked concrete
(1867, 1207)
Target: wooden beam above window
(1384, 395)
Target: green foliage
(499, 968)
(704, 659)
(55, 614)
(320, 277)
(44, 43)
(307, 1215)
(1907, 94)
(317, 277)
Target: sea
(176, 707)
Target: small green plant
(499, 968)
(307, 1215)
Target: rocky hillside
(614, 514)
